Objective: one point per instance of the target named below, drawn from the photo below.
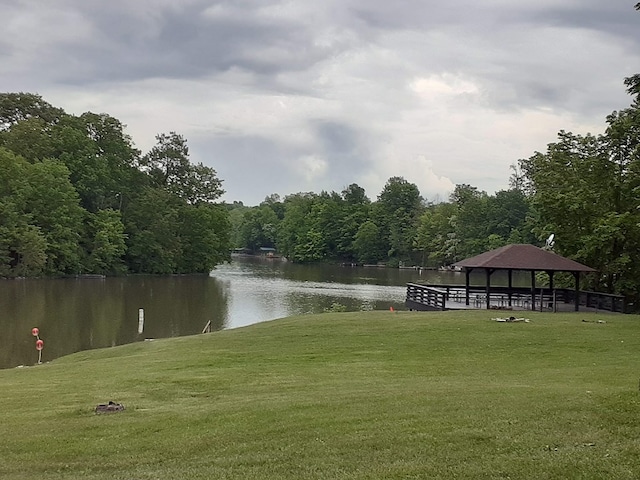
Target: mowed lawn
(366, 395)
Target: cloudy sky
(289, 96)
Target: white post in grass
(140, 320)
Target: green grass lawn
(367, 395)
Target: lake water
(86, 313)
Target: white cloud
(312, 167)
(436, 87)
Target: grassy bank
(368, 395)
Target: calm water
(81, 314)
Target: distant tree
(368, 246)
(17, 107)
(274, 202)
(396, 213)
(436, 236)
(236, 212)
(354, 194)
(202, 185)
(508, 212)
(101, 158)
(54, 207)
(30, 138)
(355, 211)
(168, 165)
(259, 228)
(295, 239)
(471, 219)
(23, 246)
(633, 84)
(326, 218)
(204, 233)
(106, 242)
(153, 241)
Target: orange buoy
(35, 331)
(39, 345)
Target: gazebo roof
(523, 257)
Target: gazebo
(521, 257)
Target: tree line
(399, 227)
(76, 197)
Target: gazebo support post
(467, 274)
(576, 275)
(533, 290)
(510, 276)
(488, 272)
(553, 295)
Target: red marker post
(39, 343)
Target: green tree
(355, 195)
(17, 107)
(40, 217)
(274, 203)
(151, 225)
(53, 206)
(368, 244)
(396, 212)
(168, 165)
(295, 226)
(22, 244)
(356, 207)
(204, 237)
(472, 229)
(258, 228)
(436, 236)
(507, 219)
(106, 242)
(30, 138)
(326, 218)
(202, 185)
(101, 158)
(571, 182)
(236, 212)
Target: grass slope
(367, 395)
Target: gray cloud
(284, 96)
(189, 43)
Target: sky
(281, 97)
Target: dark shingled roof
(523, 257)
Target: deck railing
(423, 297)
(435, 297)
(600, 301)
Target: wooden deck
(453, 297)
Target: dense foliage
(399, 227)
(77, 197)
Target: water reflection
(261, 289)
(81, 314)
